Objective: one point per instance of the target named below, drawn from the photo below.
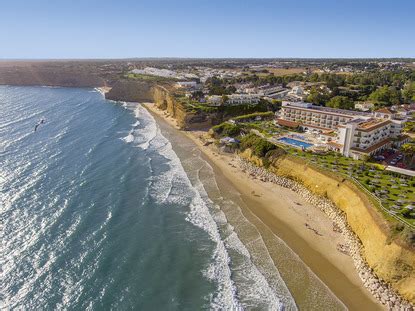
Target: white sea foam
(129, 138)
(174, 186)
(261, 292)
(142, 137)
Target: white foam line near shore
(226, 296)
(382, 291)
(270, 285)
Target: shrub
(247, 117)
(259, 146)
(226, 129)
(407, 213)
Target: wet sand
(277, 211)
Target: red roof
(374, 147)
(287, 123)
(385, 110)
(335, 144)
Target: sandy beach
(304, 228)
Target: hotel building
(233, 100)
(358, 134)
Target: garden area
(394, 191)
(144, 77)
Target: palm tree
(409, 154)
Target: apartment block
(358, 134)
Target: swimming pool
(295, 142)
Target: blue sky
(123, 29)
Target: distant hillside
(61, 73)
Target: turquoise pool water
(295, 142)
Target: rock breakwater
(381, 290)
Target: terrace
(392, 192)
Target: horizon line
(206, 58)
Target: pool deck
(300, 143)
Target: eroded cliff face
(186, 120)
(390, 260)
(131, 91)
(199, 119)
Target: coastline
(302, 226)
(103, 89)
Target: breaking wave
(172, 186)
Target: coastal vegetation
(375, 252)
(408, 150)
(340, 102)
(408, 92)
(243, 122)
(260, 147)
(226, 129)
(383, 87)
(145, 77)
(392, 192)
(250, 117)
(410, 127)
(378, 203)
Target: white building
(359, 134)
(360, 138)
(187, 84)
(315, 117)
(156, 72)
(233, 100)
(297, 92)
(165, 73)
(263, 90)
(215, 100)
(364, 106)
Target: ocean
(98, 213)
(104, 208)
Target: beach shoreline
(103, 89)
(304, 228)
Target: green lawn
(267, 128)
(390, 188)
(135, 76)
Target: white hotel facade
(357, 134)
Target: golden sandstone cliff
(390, 258)
(187, 120)
(165, 101)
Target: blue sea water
(98, 213)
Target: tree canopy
(341, 102)
(386, 96)
(318, 96)
(408, 92)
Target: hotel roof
(385, 110)
(372, 124)
(373, 147)
(337, 145)
(311, 107)
(287, 123)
